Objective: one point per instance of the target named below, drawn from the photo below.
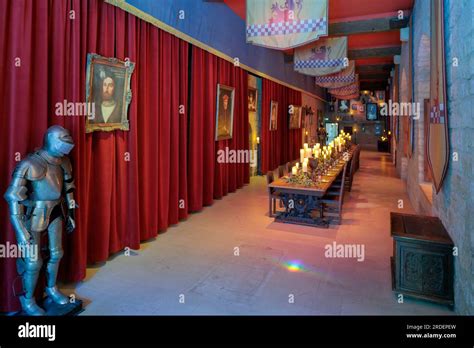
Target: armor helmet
(57, 141)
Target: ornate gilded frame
(128, 67)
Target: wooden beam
(381, 77)
(378, 85)
(373, 68)
(374, 52)
(367, 26)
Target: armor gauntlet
(69, 189)
(15, 194)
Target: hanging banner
(326, 56)
(343, 78)
(346, 90)
(284, 24)
(349, 96)
(438, 141)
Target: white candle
(318, 145)
(302, 155)
(297, 165)
(294, 170)
(308, 153)
(305, 146)
(258, 140)
(305, 167)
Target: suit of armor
(41, 185)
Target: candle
(308, 153)
(294, 170)
(318, 145)
(302, 155)
(258, 140)
(305, 167)
(305, 161)
(297, 165)
(305, 146)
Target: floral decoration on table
(301, 178)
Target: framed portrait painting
(380, 95)
(273, 115)
(108, 92)
(343, 105)
(224, 112)
(252, 99)
(371, 112)
(295, 116)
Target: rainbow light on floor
(294, 266)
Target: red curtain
(283, 144)
(208, 179)
(122, 202)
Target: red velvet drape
(208, 179)
(282, 145)
(121, 201)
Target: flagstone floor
(232, 259)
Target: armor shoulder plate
(31, 168)
(67, 167)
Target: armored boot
(30, 307)
(55, 230)
(29, 268)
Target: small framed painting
(273, 115)
(295, 116)
(224, 112)
(252, 99)
(343, 105)
(380, 95)
(371, 111)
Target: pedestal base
(53, 309)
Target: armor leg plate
(55, 230)
(29, 269)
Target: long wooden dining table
(302, 203)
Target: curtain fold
(128, 183)
(209, 180)
(281, 145)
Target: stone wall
(454, 204)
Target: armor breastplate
(49, 187)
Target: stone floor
(194, 268)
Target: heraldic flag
(325, 56)
(351, 89)
(343, 78)
(283, 24)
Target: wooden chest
(422, 262)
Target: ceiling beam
(381, 76)
(374, 52)
(378, 85)
(375, 68)
(367, 26)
